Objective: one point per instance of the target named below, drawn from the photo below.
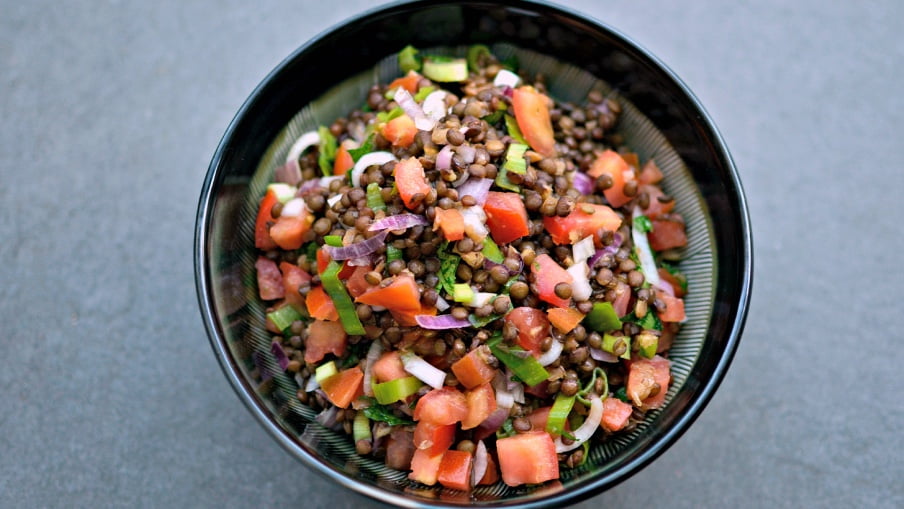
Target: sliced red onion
(610, 249)
(508, 91)
(582, 182)
(504, 398)
(491, 424)
(440, 322)
(550, 356)
(585, 430)
(289, 173)
(506, 78)
(441, 304)
(326, 181)
(518, 393)
(666, 287)
(363, 261)
(478, 188)
(475, 223)
(423, 370)
(312, 384)
(644, 253)
(435, 105)
(583, 250)
(602, 356)
(260, 361)
(281, 358)
(462, 179)
(308, 187)
(413, 110)
(368, 160)
(444, 158)
(480, 463)
(398, 222)
(304, 142)
(293, 208)
(358, 249)
(580, 286)
(467, 153)
(328, 417)
(373, 353)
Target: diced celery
(396, 390)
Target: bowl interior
(661, 120)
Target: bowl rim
(593, 486)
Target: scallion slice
(396, 390)
(344, 305)
(520, 361)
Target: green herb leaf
(514, 131)
(366, 148)
(507, 429)
(622, 394)
(448, 267)
(408, 60)
(386, 116)
(643, 224)
(310, 250)
(378, 412)
(649, 322)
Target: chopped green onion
(375, 197)
(520, 361)
(325, 371)
(622, 394)
(514, 158)
(333, 240)
(602, 317)
(445, 70)
(503, 181)
(643, 224)
(283, 317)
(344, 305)
(514, 131)
(448, 267)
(423, 92)
(393, 253)
(475, 52)
(597, 372)
(610, 342)
(396, 390)
(361, 427)
(462, 292)
(491, 251)
(558, 414)
(507, 429)
(408, 60)
(327, 150)
(386, 116)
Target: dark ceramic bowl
(662, 119)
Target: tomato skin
(455, 470)
(579, 224)
(389, 367)
(344, 387)
(410, 180)
(472, 370)
(293, 277)
(481, 403)
(532, 114)
(538, 418)
(269, 279)
(442, 406)
(406, 318)
(506, 217)
(611, 163)
(564, 319)
(402, 294)
(262, 239)
(356, 284)
(400, 131)
(650, 173)
(425, 466)
(492, 474)
(532, 325)
(547, 274)
(667, 234)
(527, 458)
(615, 414)
(323, 338)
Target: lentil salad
(462, 274)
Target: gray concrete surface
(110, 111)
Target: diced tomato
(269, 279)
(356, 284)
(323, 338)
(669, 331)
(579, 224)
(344, 161)
(674, 308)
(531, 110)
(389, 367)
(400, 131)
(425, 466)
(615, 414)
(564, 319)
(262, 239)
(402, 294)
(455, 470)
(410, 180)
(436, 438)
(323, 259)
(612, 164)
(622, 299)
(450, 222)
(399, 449)
(527, 458)
(293, 277)
(532, 325)
(673, 281)
(472, 370)
(547, 274)
(491, 476)
(288, 232)
(506, 217)
(538, 418)
(442, 406)
(656, 208)
(408, 82)
(642, 375)
(344, 387)
(320, 305)
(667, 234)
(481, 403)
(650, 173)
(405, 318)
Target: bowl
(661, 119)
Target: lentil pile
(470, 278)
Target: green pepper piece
(610, 342)
(332, 240)
(558, 414)
(396, 390)
(491, 251)
(520, 361)
(282, 317)
(344, 305)
(408, 60)
(602, 317)
(445, 70)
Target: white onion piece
(284, 192)
(518, 393)
(293, 208)
(435, 105)
(580, 285)
(333, 200)
(583, 250)
(444, 158)
(644, 253)
(481, 299)
(480, 463)
(423, 370)
(552, 354)
(467, 153)
(304, 142)
(504, 398)
(506, 78)
(441, 304)
(368, 160)
(475, 223)
(585, 430)
(376, 348)
(413, 110)
(312, 384)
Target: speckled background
(109, 392)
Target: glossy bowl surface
(662, 119)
